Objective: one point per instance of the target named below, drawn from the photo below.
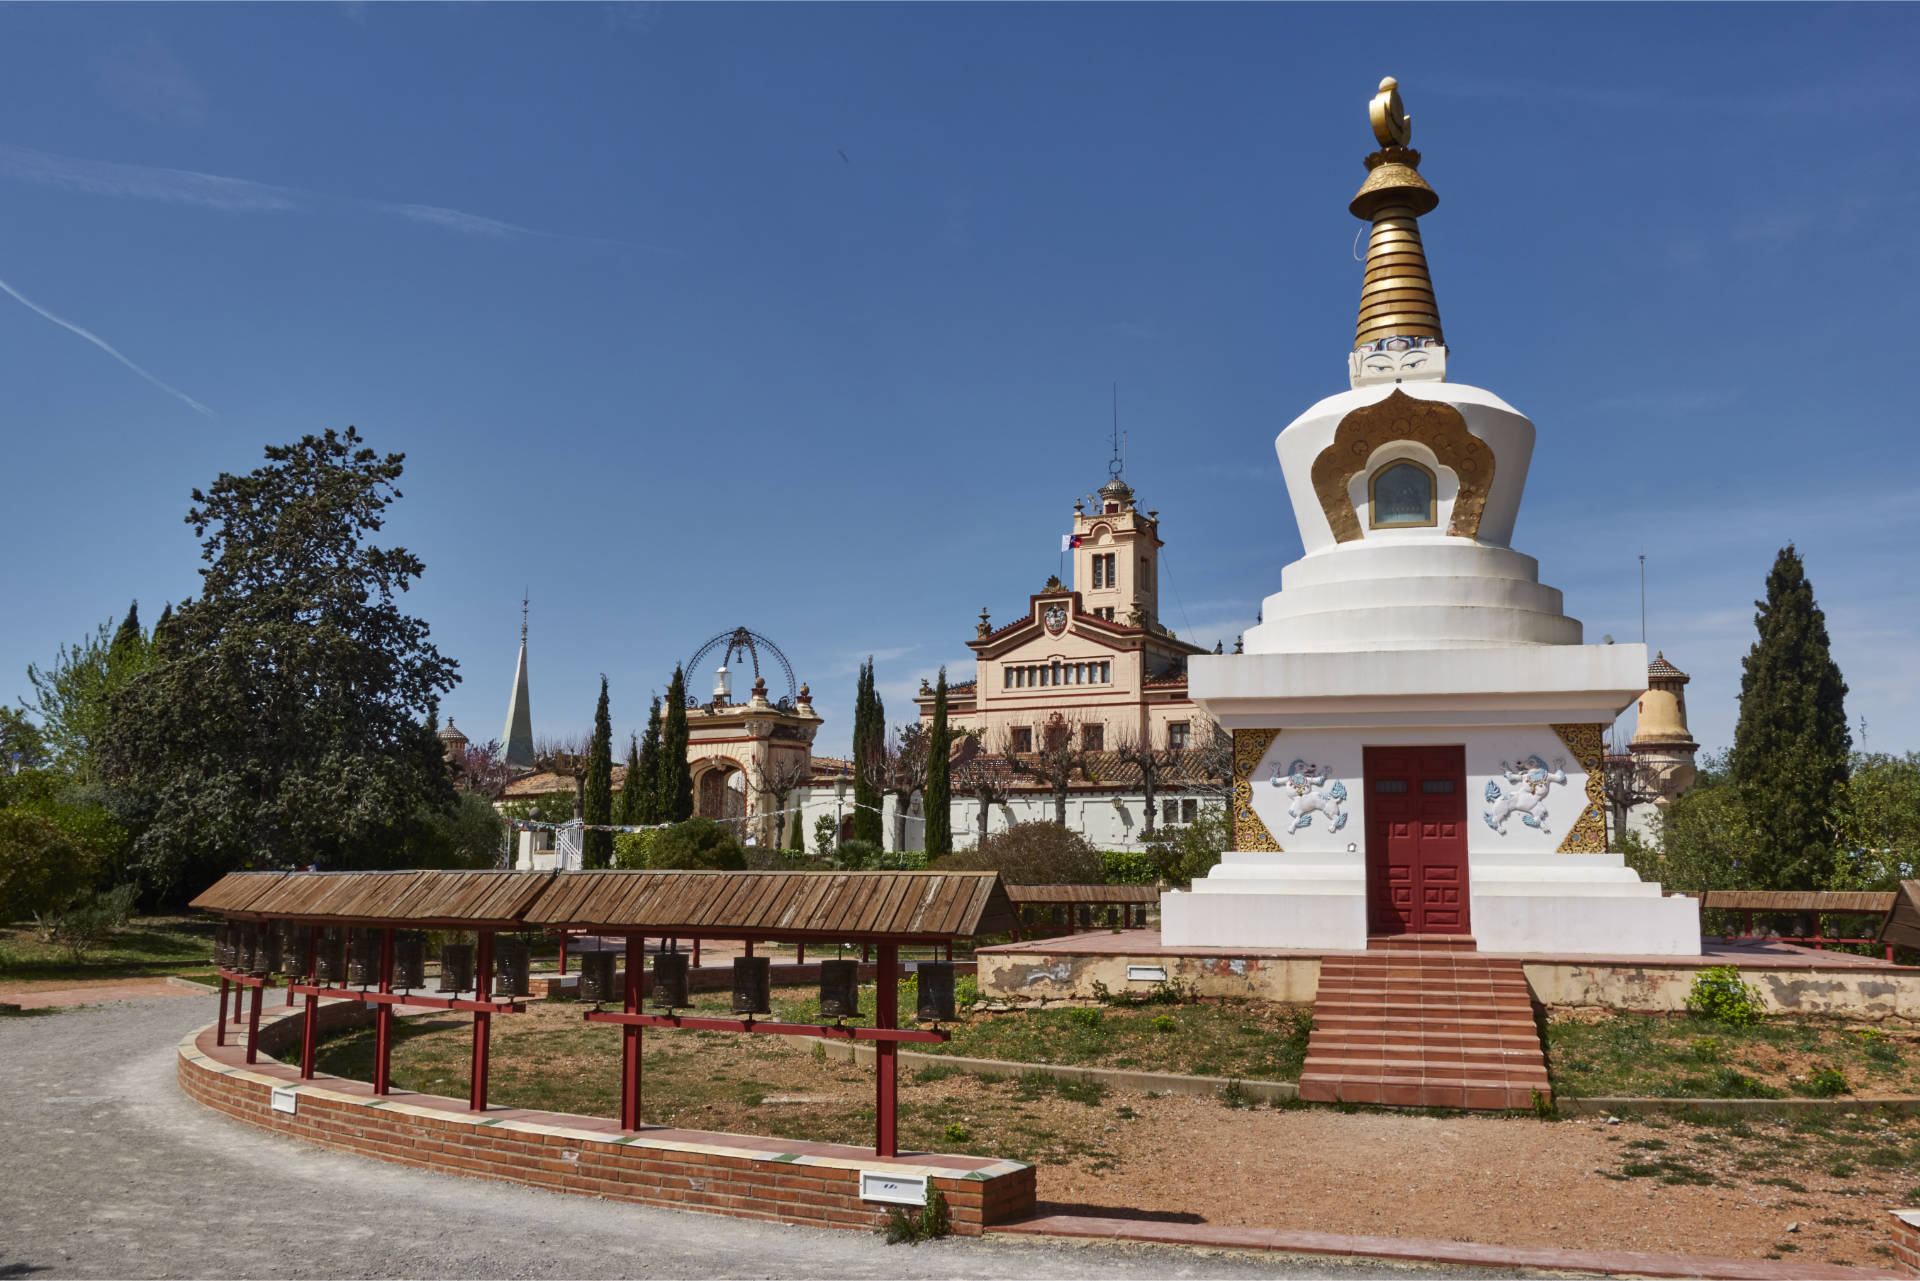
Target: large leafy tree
(676, 778)
(1791, 745)
(71, 696)
(869, 751)
(596, 848)
(286, 717)
(939, 795)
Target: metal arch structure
(752, 644)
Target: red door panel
(1416, 842)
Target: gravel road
(107, 1170)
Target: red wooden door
(1416, 840)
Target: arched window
(1401, 495)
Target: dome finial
(1398, 336)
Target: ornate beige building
(1094, 654)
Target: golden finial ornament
(1391, 123)
(1396, 298)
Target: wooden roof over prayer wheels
(454, 900)
(1799, 901)
(779, 905)
(918, 906)
(1083, 894)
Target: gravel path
(117, 1174)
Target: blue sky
(806, 318)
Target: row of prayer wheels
(752, 985)
(351, 957)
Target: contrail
(102, 344)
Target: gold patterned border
(1435, 424)
(1589, 833)
(1249, 833)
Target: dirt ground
(1760, 1188)
(41, 994)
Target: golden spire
(1396, 298)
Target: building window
(1401, 495)
(1009, 677)
(1093, 737)
(1022, 738)
(1178, 736)
(1106, 669)
(1169, 813)
(1056, 672)
(1189, 811)
(1103, 570)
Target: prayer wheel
(510, 976)
(296, 947)
(456, 967)
(670, 981)
(752, 985)
(936, 991)
(223, 946)
(330, 967)
(409, 962)
(266, 949)
(363, 959)
(245, 946)
(596, 977)
(840, 989)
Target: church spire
(518, 736)
(1399, 316)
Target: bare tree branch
(981, 774)
(786, 774)
(567, 757)
(1056, 757)
(900, 767)
(1156, 765)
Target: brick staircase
(1409, 1024)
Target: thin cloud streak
(243, 195)
(102, 344)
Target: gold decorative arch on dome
(1435, 424)
(1588, 835)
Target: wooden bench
(1817, 904)
(1072, 907)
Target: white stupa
(1418, 729)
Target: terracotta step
(1421, 943)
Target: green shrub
(699, 844)
(1827, 1083)
(1706, 1049)
(928, 1223)
(956, 1133)
(1163, 1023)
(1032, 854)
(1129, 867)
(1719, 995)
(1236, 1096)
(826, 834)
(856, 855)
(630, 849)
(1088, 1019)
(1187, 851)
(43, 870)
(966, 992)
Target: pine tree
(796, 837)
(651, 809)
(869, 741)
(626, 808)
(1790, 748)
(127, 639)
(676, 790)
(938, 802)
(596, 848)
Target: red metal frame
(412, 998)
(886, 1064)
(1819, 941)
(482, 1025)
(630, 1036)
(826, 1031)
(239, 983)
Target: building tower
(1116, 555)
(1662, 746)
(518, 736)
(453, 743)
(1418, 727)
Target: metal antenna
(1643, 598)
(524, 593)
(1115, 466)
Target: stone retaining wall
(744, 1176)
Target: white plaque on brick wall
(896, 1189)
(285, 1100)
(1146, 974)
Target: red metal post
(383, 1019)
(630, 1045)
(310, 1026)
(482, 1024)
(563, 954)
(799, 953)
(220, 1024)
(253, 1026)
(949, 949)
(696, 954)
(748, 945)
(886, 1079)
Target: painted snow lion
(1528, 783)
(1311, 796)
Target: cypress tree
(627, 808)
(676, 779)
(1790, 748)
(939, 788)
(651, 809)
(796, 838)
(869, 743)
(127, 639)
(596, 848)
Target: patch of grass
(146, 947)
(1690, 1056)
(1779, 1181)
(1842, 1169)
(1826, 1083)
(1234, 1096)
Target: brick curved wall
(744, 1176)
